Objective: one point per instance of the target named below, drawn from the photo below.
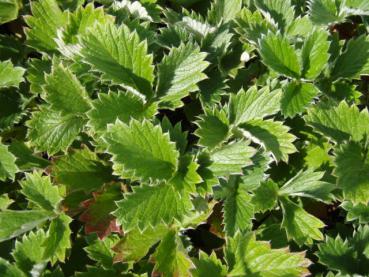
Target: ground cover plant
(184, 138)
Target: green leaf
(28, 253)
(58, 238)
(279, 11)
(141, 151)
(224, 11)
(265, 197)
(279, 55)
(9, 270)
(246, 256)
(36, 73)
(238, 209)
(46, 19)
(136, 244)
(179, 73)
(5, 201)
(272, 135)
(15, 223)
(324, 12)
(339, 123)
(64, 92)
(39, 190)
(253, 104)
(81, 170)
(359, 212)
(300, 226)
(8, 168)
(296, 97)
(175, 133)
(121, 105)
(352, 164)
(308, 184)
(231, 158)
(11, 108)
(171, 260)
(96, 272)
(10, 75)
(213, 128)
(315, 54)
(101, 250)
(120, 56)
(51, 131)
(8, 10)
(354, 61)
(151, 206)
(208, 266)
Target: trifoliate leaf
(265, 196)
(58, 238)
(280, 12)
(279, 55)
(208, 266)
(28, 253)
(314, 54)
(179, 73)
(15, 223)
(151, 206)
(52, 132)
(141, 151)
(272, 135)
(296, 97)
(346, 256)
(352, 165)
(224, 11)
(354, 61)
(46, 19)
(81, 170)
(238, 209)
(339, 123)
(359, 212)
(231, 158)
(324, 12)
(253, 104)
(10, 75)
(213, 128)
(39, 190)
(9, 10)
(10, 270)
(120, 56)
(101, 250)
(64, 92)
(136, 244)
(170, 257)
(121, 105)
(308, 184)
(8, 167)
(246, 256)
(300, 226)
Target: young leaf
(179, 73)
(253, 104)
(121, 105)
(359, 212)
(120, 56)
(279, 55)
(296, 97)
(101, 251)
(141, 151)
(300, 226)
(272, 135)
(171, 260)
(8, 168)
(10, 75)
(15, 223)
(352, 163)
(39, 190)
(246, 256)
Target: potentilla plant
(184, 138)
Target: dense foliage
(184, 138)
